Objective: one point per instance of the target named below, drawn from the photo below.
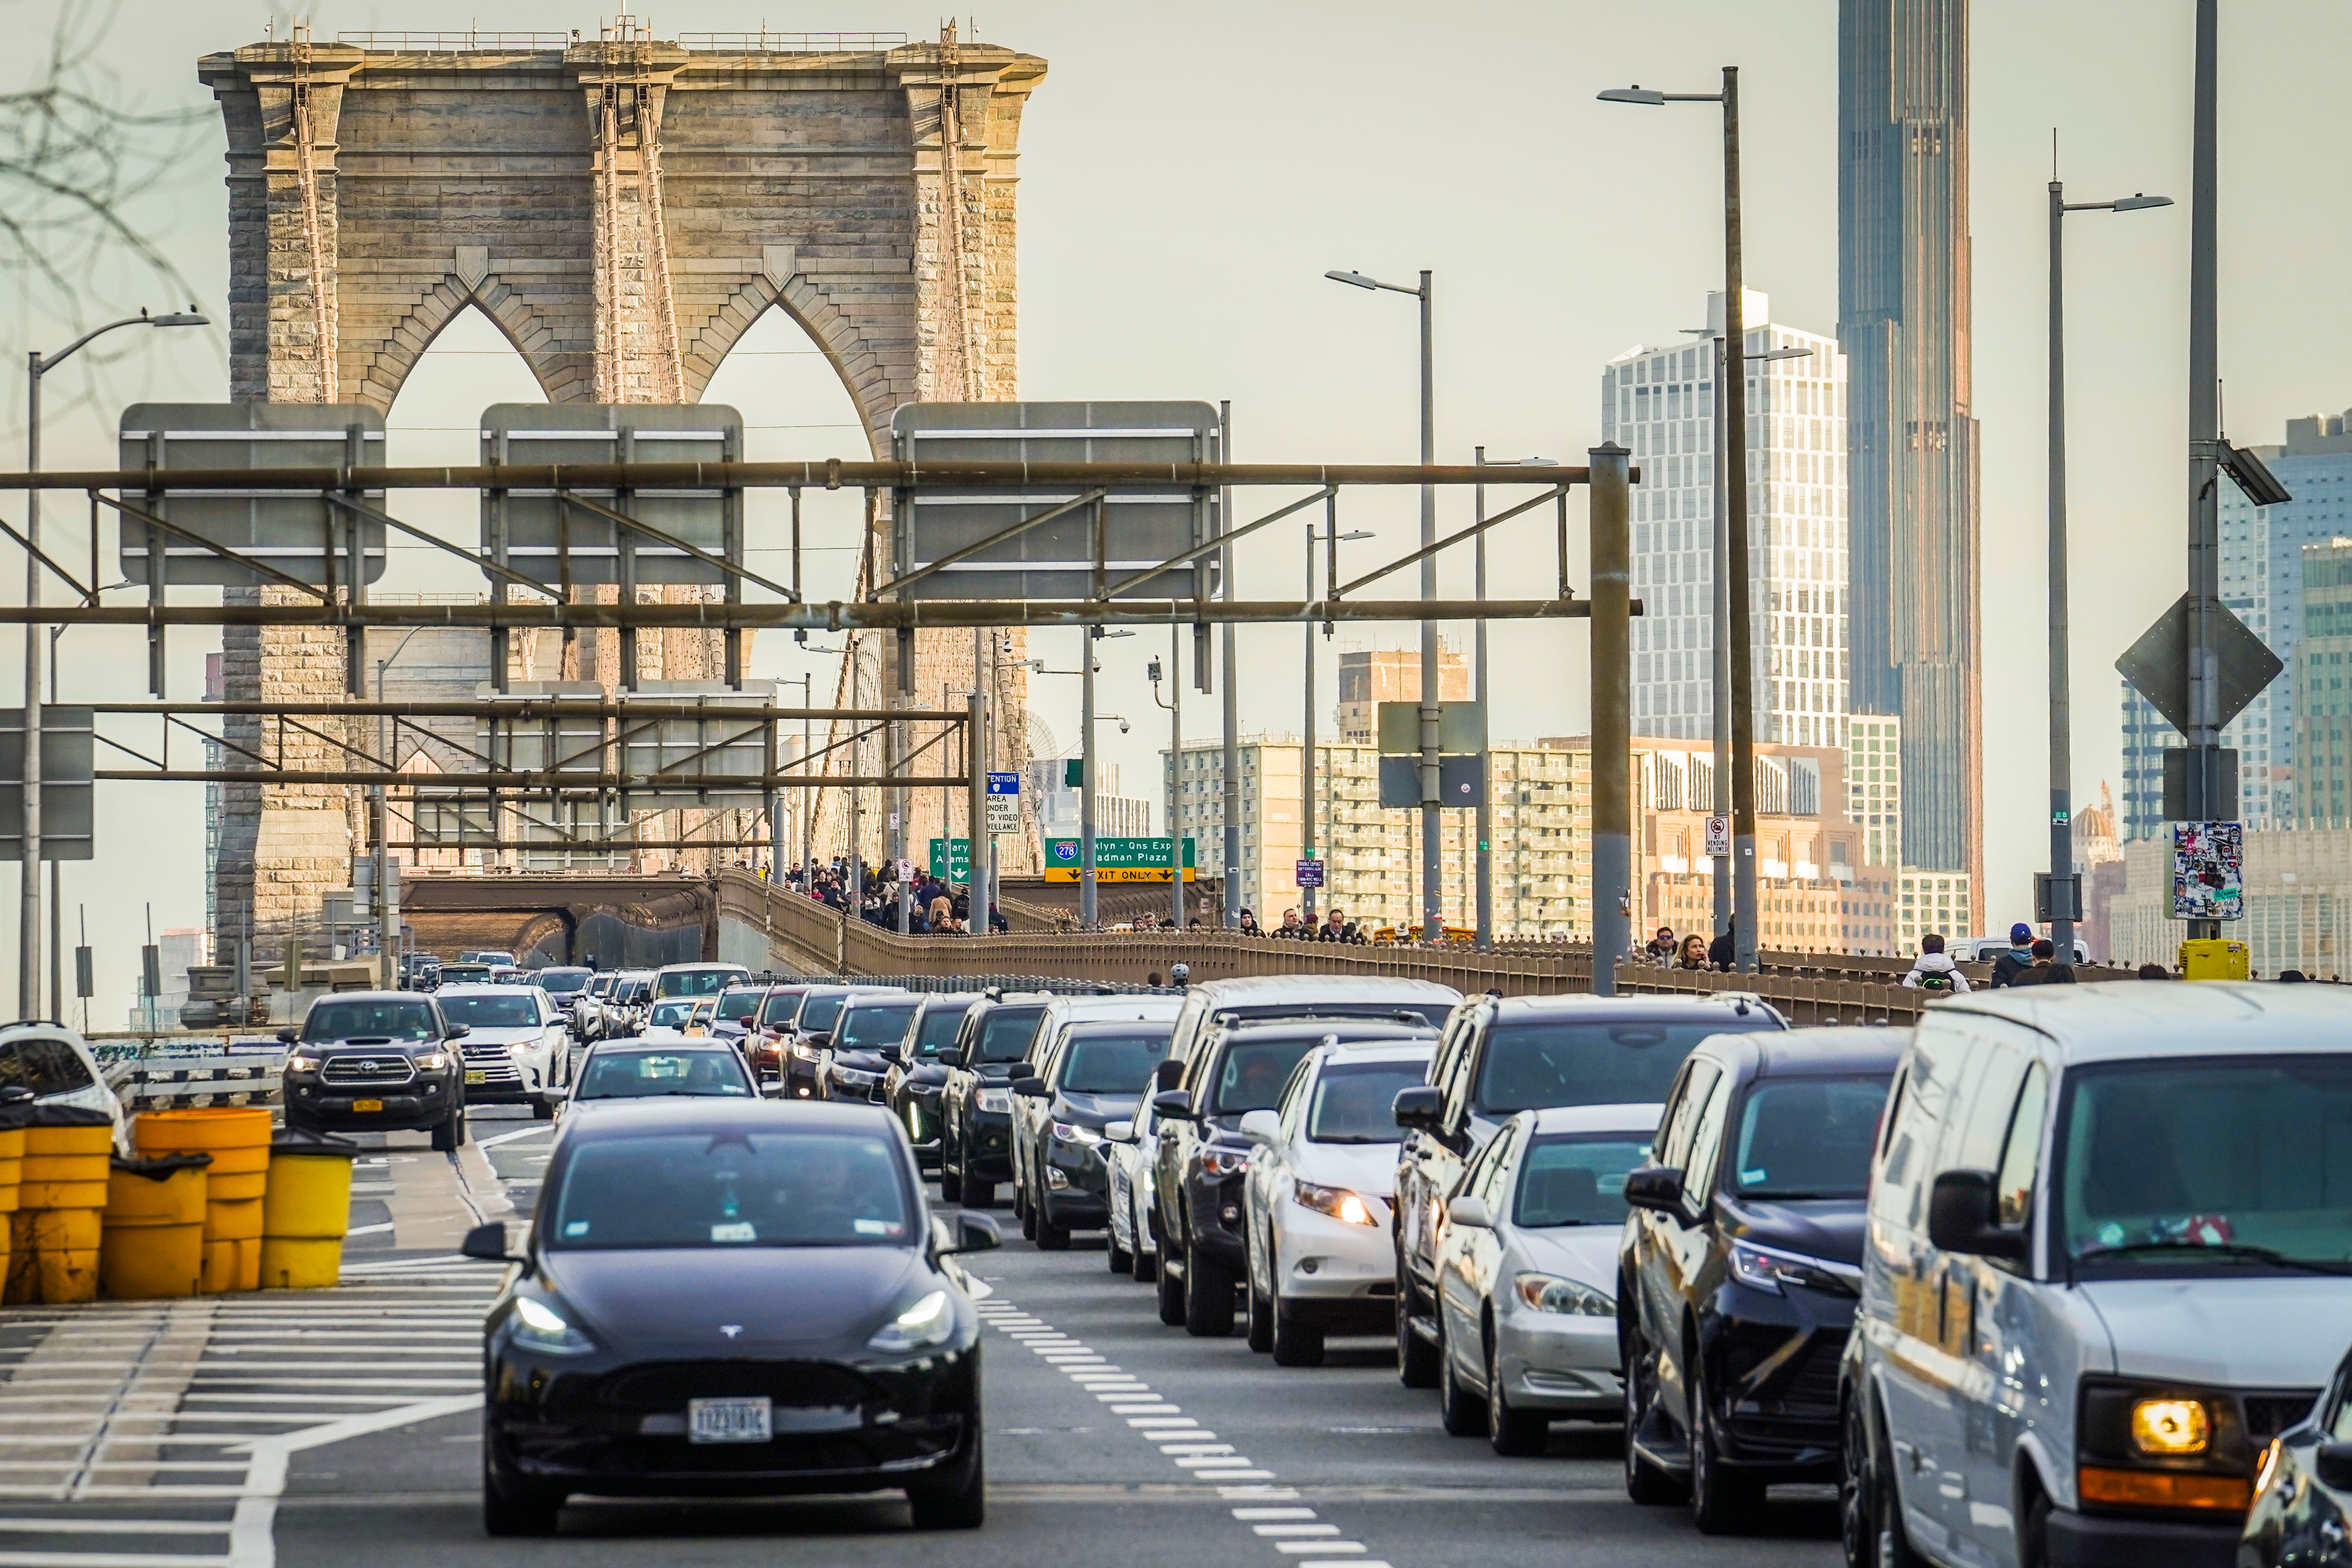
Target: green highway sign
(1116, 859)
(951, 860)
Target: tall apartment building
(1874, 774)
(1371, 675)
(1902, 316)
(2323, 661)
(1660, 402)
(2263, 559)
(1542, 835)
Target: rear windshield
(491, 1012)
(1555, 1062)
(731, 1188)
(1254, 1071)
(560, 980)
(778, 1009)
(369, 1020)
(1113, 1064)
(939, 1030)
(697, 981)
(1809, 1137)
(820, 1011)
(1005, 1034)
(634, 1075)
(867, 1025)
(1355, 1101)
(1578, 1178)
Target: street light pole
(1087, 898)
(1739, 620)
(28, 950)
(1486, 818)
(1332, 540)
(1175, 706)
(2065, 892)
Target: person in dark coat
(1724, 950)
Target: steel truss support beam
(584, 785)
(524, 709)
(833, 474)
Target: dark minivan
(1742, 1266)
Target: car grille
(1810, 1389)
(2268, 1415)
(494, 1063)
(389, 1070)
(668, 1385)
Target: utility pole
(1433, 712)
(1485, 822)
(1613, 700)
(1719, 654)
(1086, 901)
(979, 758)
(1743, 634)
(2210, 795)
(1232, 793)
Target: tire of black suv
(1723, 1501)
(1208, 1296)
(450, 1136)
(954, 1502)
(1645, 1483)
(1416, 1357)
(512, 1509)
(1051, 1237)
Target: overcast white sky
(1189, 173)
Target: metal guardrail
(177, 1083)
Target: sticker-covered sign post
(2209, 881)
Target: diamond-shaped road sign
(2158, 665)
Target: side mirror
(1167, 1074)
(1960, 1218)
(976, 1233)
(951, 1057)
(1655, 1187)
(1263, 1127)
(1173, 1105)
(458, 1031)
(1469, 1213)
(286, 1036)
(1119, 1131)
(487, 1243)
(1031, 1089)
(1417, 1110)
(2332, 1462)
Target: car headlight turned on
(1071, 1133)
(996, 1101)
(522, 1047)
(2169, 1428)
(929, 1322)
(1221, 1163)
(1338, 1201)
(301, 1063)
(806, 1053)
(540, 1327)
(433, 1061)
(1769, 1268)
(1550, 1293)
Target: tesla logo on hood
(731, 1329)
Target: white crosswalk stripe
(200, 1403)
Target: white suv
(55, 1065)
(517, 1048)
(2108, 1259)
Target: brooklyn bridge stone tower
(624, 208)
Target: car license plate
(729, 1420)
(367, 1105)
(476, 1075)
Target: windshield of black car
(696, 982)
(369, 1020)
(491, 1012)
(1578, 1178)
(733, 1005)
(1808, 1137)
(1113, 1064)
(799, 1187)
(2166, 1158)
(938, 1030)
(629, 1075)
(870, 1025)
(563, 981)
(777, 1011)
(820, 1013)
(1571, 1061)
(1253, 1072)
(1006, 1033)
(1355, 1101)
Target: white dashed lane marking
(1271, 1511)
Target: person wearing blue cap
(2019, 956)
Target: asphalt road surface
(296, 1429)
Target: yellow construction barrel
(237, 1138)
(306, 1211)
(54, 1234)
(153, 1240)
(15, 1115)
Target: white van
(2109, 1258)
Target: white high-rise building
(1660, 402)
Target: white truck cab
(2109, 1257)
